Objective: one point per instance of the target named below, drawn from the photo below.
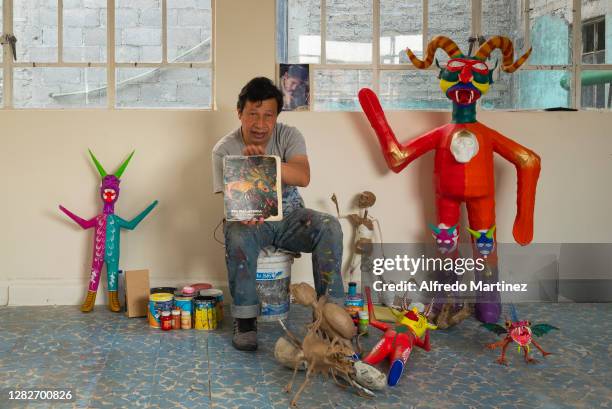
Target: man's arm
(296, 171)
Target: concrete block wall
(138, 36)
(350, 21)
(138, 39)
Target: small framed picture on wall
(294, 82)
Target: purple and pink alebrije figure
(106, 241)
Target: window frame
(574, 68)
(110, 65)
(592, 25)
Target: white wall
(43, 162)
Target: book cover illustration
(252, 188)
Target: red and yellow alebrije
(442, 42)
(507, 49)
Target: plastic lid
(363, 315)
(188, 290)
(165, 313)
(212, 292)
(200, 286)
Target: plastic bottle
(166, 321)
(364, 321)
(176, 318)
(185, 319)
(353, 303)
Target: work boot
(113, 301)
(245, 334)
(89, 302)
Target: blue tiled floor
(114, 362)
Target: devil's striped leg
(481, 214)
(98, 253)
(399, 357)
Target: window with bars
(595, 85)
(108, 53)
(352, 44)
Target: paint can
(183, 302)
(205, 314)
(158, 302)
(218, 295)
(273, 278)
(159, 290)
(167, 290)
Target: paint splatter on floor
(115, 362)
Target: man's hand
(253, 222)
(253, 150)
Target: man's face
(258, 120)
(290, 84)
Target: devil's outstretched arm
(85, 224)
(131, 225)
(527, 165)
(397, 155)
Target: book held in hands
(252, 188)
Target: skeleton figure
(361, 251)
(463, 171)
(106, 238)
(364, 232)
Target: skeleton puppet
(106, 238)
(361, 251)
(364, 232)
(463, 170)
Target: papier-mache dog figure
(463, 170)
(106, 238)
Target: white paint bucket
(273, 280)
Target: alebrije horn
(98, 165)
(490, 232)
(445, 43)
(428, 309)
(507, 49)
(451, 229)
(121, 169)
(434, 228)
(474, 233)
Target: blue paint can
(184, 303)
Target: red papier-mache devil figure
(463, 170)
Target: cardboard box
(136, 293)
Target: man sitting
(301, 230)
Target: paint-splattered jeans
(302, 230)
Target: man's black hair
(260, 89)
